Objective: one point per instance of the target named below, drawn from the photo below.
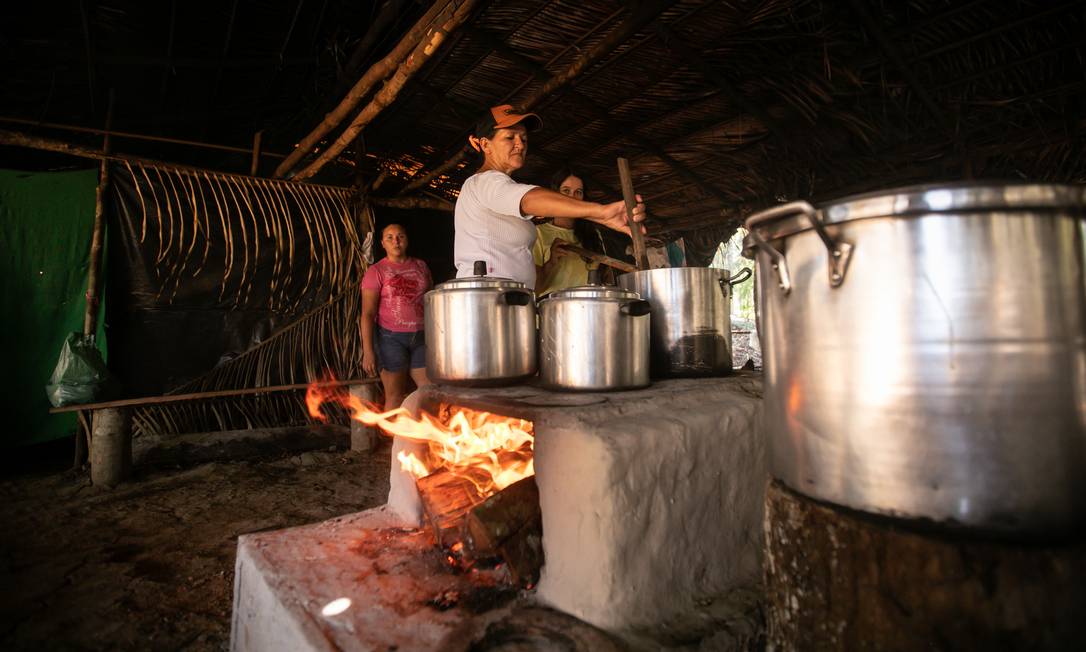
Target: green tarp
(45, 230)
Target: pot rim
(591, 293)
(925, 199)
(479, 282)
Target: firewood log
(446, 498)
(490, 523)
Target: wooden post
(839, 580)
(257, 137)
(98, 236)
(111, 446)
(363, 437)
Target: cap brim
(530, 121)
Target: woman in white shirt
(493, 214)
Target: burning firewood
(492, 522)
(446, 499)
(509, 524)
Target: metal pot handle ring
(515, 297)
(740, 277)
(839, 251)
(727, 284)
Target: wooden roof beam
(642, 15)
(386, 15)
(449, 19)
(378, 71)
(410, 89)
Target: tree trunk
(840, 580)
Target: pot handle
(516, 297)
(839, 251)
(740, 277)
(636, 308)
(726, 284)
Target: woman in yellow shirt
(557, 268)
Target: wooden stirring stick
(641, 259)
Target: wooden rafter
(536, 69)
(641, 16)
(378, 71)
(387, 14)
(447, 21)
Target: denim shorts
(397, 351)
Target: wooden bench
(108, 425)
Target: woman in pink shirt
(392, 292)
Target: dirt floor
(150, 565)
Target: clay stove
(651, 502)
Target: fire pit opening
(474, 474)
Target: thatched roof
(723, 107)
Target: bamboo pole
(362, 87)
(132, 136)
(19, 139)
(201, 396)
(425, 179)
(422, 52)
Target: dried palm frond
(186, 212)
(324, 341)
(271, 410)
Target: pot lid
(469, 282)
(592, 292)
(966, 197)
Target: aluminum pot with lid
(925, 352)
(691, 318)
(480, 330)
(594, 337)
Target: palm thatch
(722, 106)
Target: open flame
(489, 450)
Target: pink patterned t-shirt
(401, 287)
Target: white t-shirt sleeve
(501, 194)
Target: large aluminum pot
(594, 337)
(691, 318)
(480, 330)
(925, 352)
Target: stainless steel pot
(594, 337)
(925, 352)
(480, 330)
(691, 318)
